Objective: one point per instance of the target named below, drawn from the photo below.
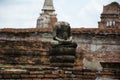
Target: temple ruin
(37, 54)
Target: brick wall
(24, 54)
(50, 73)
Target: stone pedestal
(63, 55)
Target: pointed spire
(48, 17)
(48, 6)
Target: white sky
(24, 13)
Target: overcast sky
(24, 13)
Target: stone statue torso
(62, 31)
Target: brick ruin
(48, 17)
(25, 54)
(110, 17)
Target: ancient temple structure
(110, 17)
(37, 54)
(48, 17)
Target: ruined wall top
(76, 31)
(110, 17)
(112, 8)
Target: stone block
(40, 76)
(16, 76)
(62, 64)
(62, 58)
(63, 51)
(8, 76)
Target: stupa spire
(48, 17)
(48, 6)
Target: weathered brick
(48, 72)
(40, 76)
(36, 72)
(25, 76)
(12, 79)
(27, 79)
(7, 76)
(15, 76)
(47, 79)
(68, 72)
(55, 72)
(33, 76)
(50, 76)
(37, 79)
(18, 79)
